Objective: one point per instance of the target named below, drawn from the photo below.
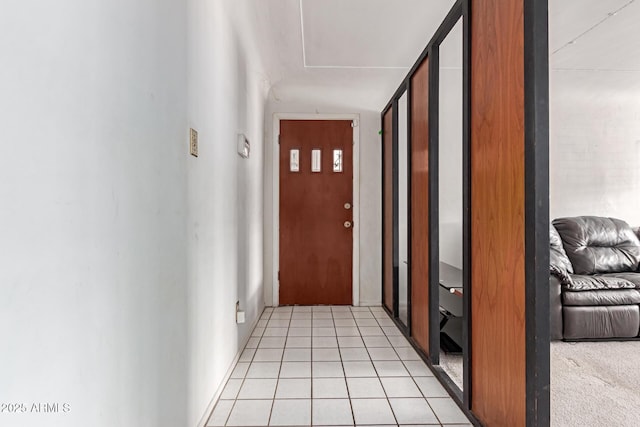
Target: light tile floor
(332, 366)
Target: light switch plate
(193, 142)
(240, 317)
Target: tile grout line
(339, 351)
(235, 400)
(405, 367)
(311, 365)
(384, 390)
(275, 390)
(412, 378)
(353, 415)
(410, 375)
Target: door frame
(277, 117)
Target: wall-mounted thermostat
(244, 147)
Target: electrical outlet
(193, 142)
(239, 314)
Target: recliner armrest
(555, 308)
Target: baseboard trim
(370, 303)
(214, 400)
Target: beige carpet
(452, 365)
(595, 384)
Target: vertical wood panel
(420, 206)
(498, 209)
(387, 160)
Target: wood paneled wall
(387, 197)
(497, 145)
(420, 206)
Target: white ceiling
(595, 35)
(368, 33)
(357, 52)
(357, 49)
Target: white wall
(595, 144)
(335, 100)
(227, 93)
(122, 257)
(92, 226)
(450, 168)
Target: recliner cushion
(603, 297)
(558, 257)
(630, 277)
(593, 282)
(618, 321)
(599, 245)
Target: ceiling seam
(357, 67)
(613, 70)
(606, 18)
(304, 52)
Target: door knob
(347, 205)
(347, 224)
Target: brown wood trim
(420, 206)
(387, 142)
(498, 212)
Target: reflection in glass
(403, 212)
(450, 175)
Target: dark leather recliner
(595, 283)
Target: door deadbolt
(347, 224)
(347, 205)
